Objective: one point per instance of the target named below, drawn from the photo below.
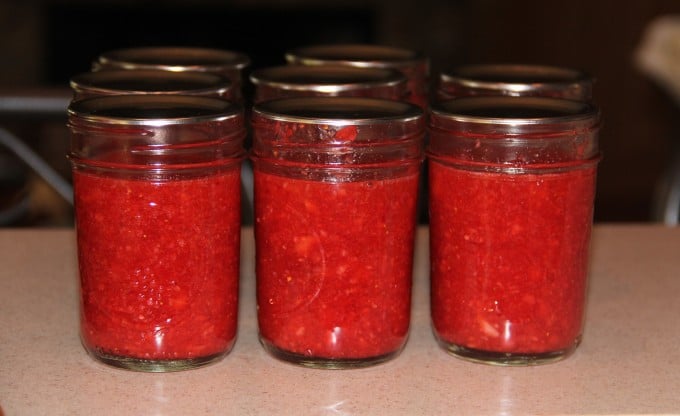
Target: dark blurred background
(44, 42)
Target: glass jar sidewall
(516, 168)
(336, 173)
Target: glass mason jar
(336, 183)
(414, 65)
(229, 64)
(126, 82)
(512, 185)
(517, 80)
(327, 81)
(156, 196)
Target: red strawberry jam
(159, 264)
(335, 264)
(505, 280)
(512, 184)
(336, 183)
(157, 197)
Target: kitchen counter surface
(628, 362)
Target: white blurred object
(658, 56)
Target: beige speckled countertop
(628, 363)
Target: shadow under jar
(137, 82)
(327, 81)
(516, 80)
(157, 206)
(336, 183)
(512, 185)
(414, 65)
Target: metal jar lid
(338, 110)
(149, 82)
(171, 58)
(516, 78)
(326, 79)
(153, 110)
(359, 55)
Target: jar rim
(360, 55)
(174, 58)
(150, 81)
(513, 111)
(153, 110)
(326, 78)
(514, 77)
(338, 110)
